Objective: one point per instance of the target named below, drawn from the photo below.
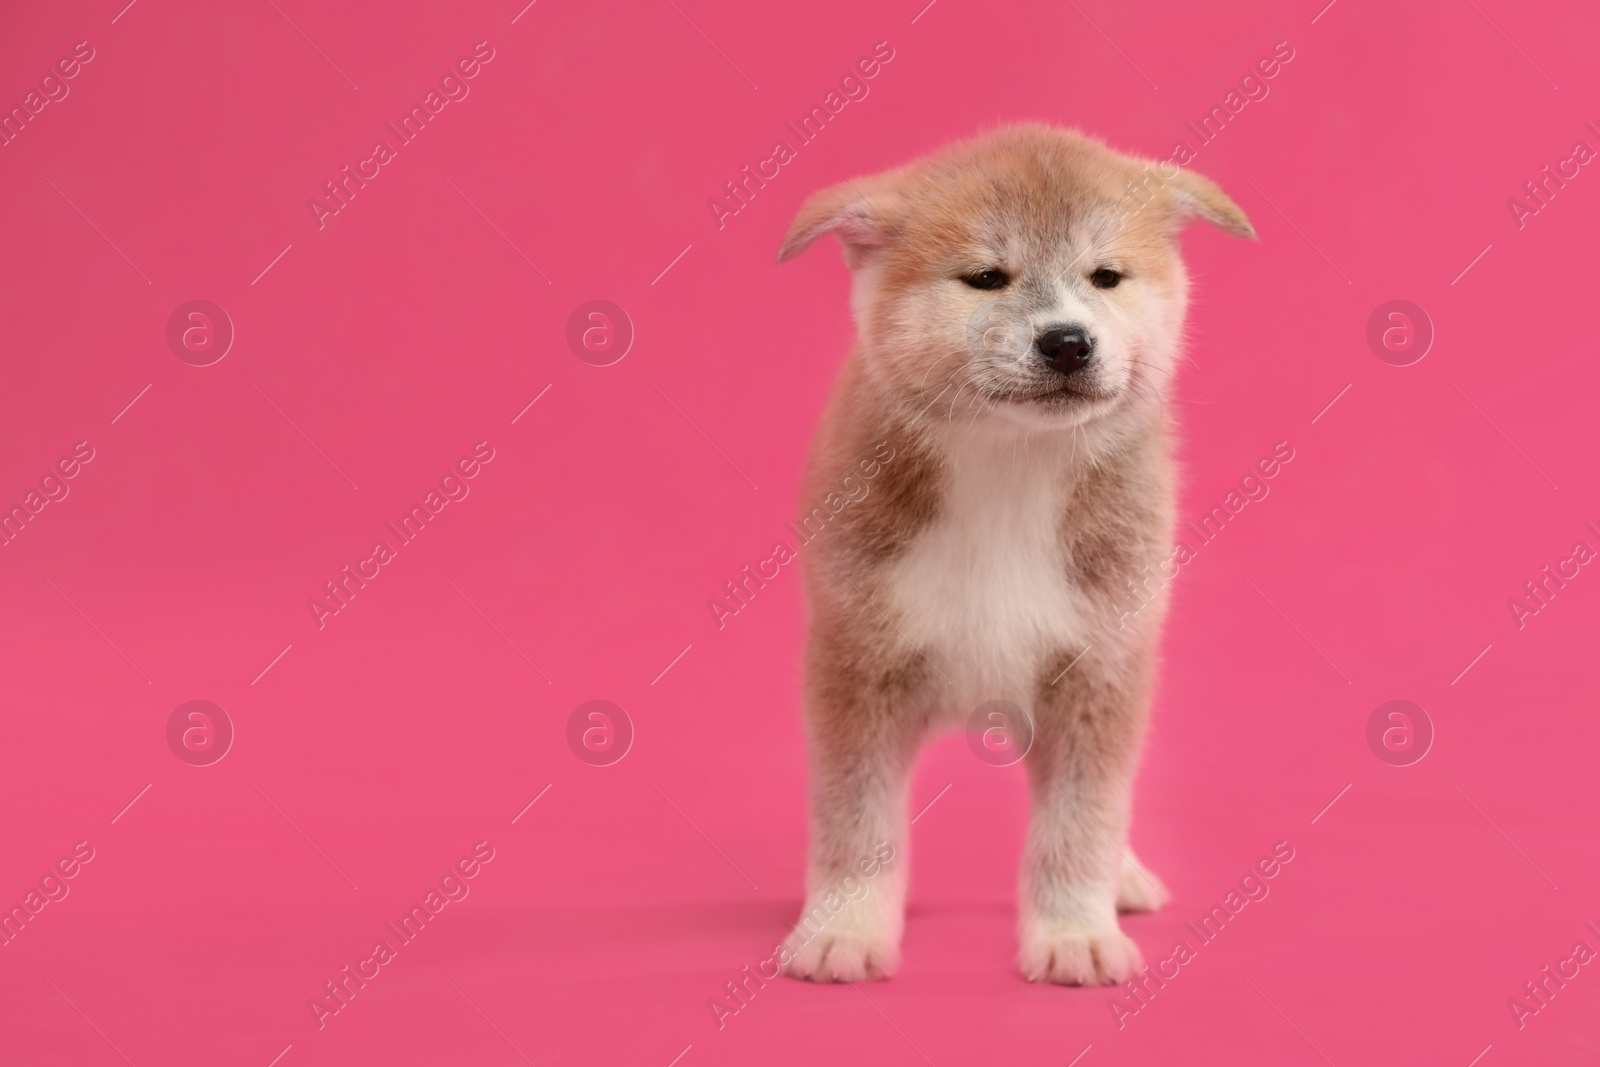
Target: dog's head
(1032, 271)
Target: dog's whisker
(951, 414)
(934, 366)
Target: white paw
(1078, 957)
(845, 958)
(854, 943)
(1138, 889)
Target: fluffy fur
(1000, 542)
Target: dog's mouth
(1067, 393)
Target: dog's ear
(1194, 196)
(860, 213)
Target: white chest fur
(983, 591)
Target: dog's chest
(983, 590)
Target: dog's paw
(855, 942)
(842, 957)
(1078, 957)
(1138, 889)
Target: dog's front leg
(1087, 733)
(863, 742)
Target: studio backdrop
(402, 542)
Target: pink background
(408, 728)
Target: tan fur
(1002, 538)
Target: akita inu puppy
(1019, 300)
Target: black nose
(1066, 348)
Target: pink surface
(423, 717)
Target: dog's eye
(1105, 278)
(989, 278)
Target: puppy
(1019, 300)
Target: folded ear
(860, 213)
(1194, 196)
